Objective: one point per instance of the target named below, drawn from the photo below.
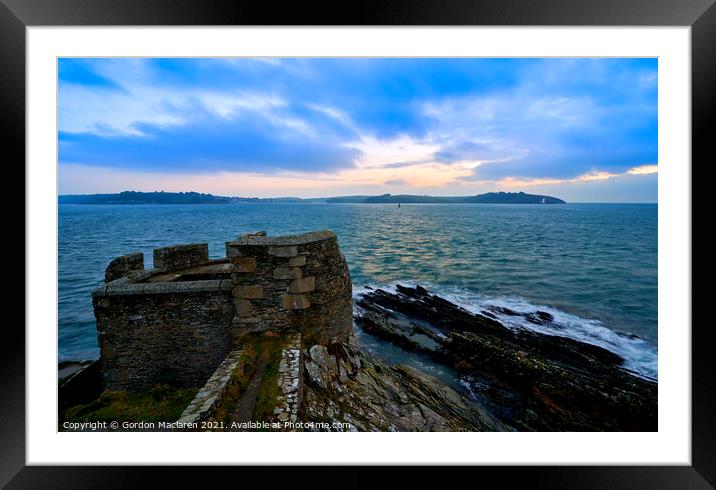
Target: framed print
(436, 235)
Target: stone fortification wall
(161, 332)
(155, 327)
(152, 333)
(297, 283)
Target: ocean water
(593, 266)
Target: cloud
(395, 182)
(527, 136)
(512, 182)
(208, 144)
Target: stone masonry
(291, 283)
(290, 381)
(173, 325)
(206, 400)
(180, 257)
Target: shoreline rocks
(342, 383)
(530, 381)
(517, 380)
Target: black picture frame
(16, 15)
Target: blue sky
(581, 129)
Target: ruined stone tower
(178, 321)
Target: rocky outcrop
(530, 381)
(344, 384)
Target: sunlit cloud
(644, 170)
(380, 153)
(511, 182)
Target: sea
(592, 266)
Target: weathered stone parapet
(179, 257)
(283, 251)
(122, 287)
(208, 397)
(291, 283)
(123, 265)
(286, 240)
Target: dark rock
(81, 386)
(530, 380)
(539, 317)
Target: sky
(582, 129)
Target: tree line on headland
(161, 197)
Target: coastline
(595, 333)
(419, 324)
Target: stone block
(244, 308)
(287, 273)
(180, 257)
(299, 261)
(294, 302)
(283, 251)
(232, 252)
(126, 289)
(199, 286)
(244, 264)
(161, 287)
(302, 285)
(248, 292)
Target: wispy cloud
(587, 177)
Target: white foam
(640, 356)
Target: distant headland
(134, 197)
(488, 198)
